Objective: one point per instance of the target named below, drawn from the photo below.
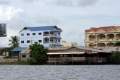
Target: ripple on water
(63, 72)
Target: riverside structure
(102, 37)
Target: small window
(46, 40)
(28, 41)
(23, 56)
(39, 33)
(40, 41)
(59, 33)
(58, 40)
(22, 41)
(46, 33)
(28, 34)
(22, 34)
(33, 33)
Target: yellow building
(66, 44)
(102, 36)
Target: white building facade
(48, 36)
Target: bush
(38, 54)
(115, 58)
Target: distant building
(48, 36)
(66, 44)
(2, 30)
(102, 37)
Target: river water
(60, 72)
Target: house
(71, 55)
(48, 36)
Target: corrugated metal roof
(54, 28)
(18, 49)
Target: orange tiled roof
(104, 29)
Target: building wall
(35, 38)
(66, 44)
(102, 37)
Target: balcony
(110, 44)
(110, 37)
(92, 37)
(101, 37)
(118, 36)
(51, 34)
(46, 34)
(101, 45)
(92, 45)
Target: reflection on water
(63, 72)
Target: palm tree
(14, 42)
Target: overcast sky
(72, 16)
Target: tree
(38, 54)
(117, 43)
(115, 57)
(14, 42)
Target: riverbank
(27, 63)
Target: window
(39, 33)
(40, 41)
(46, 40)
(58, 33)
(22, 34)
(28, 41)
(58, 40)
(23, 56)
(46, 33)
(33, 33)
(28, 34)
(22, 41)
(51, 40)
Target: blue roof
(18, 49)
(53, 28)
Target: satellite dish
(3, 30)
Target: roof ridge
(55, 28)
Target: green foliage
(117, 43)
(38, 54)
(115, 57)
(14, 42)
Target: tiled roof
(104, 29)
(54, 28)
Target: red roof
(104, 29)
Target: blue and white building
(48, 36)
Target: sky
(72, 16)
